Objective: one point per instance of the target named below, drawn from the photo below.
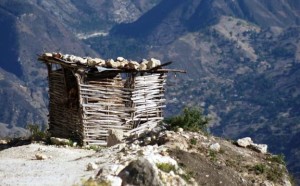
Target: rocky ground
(155, 158)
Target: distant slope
(173, 17)
(29, 30)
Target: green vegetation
(187, 176)
(94, 147)
(213, 155)
(275, 173)
(259, 168)
(166, 167)
(193, 141)
(272, 172)
(277, 159)
(36, 133)
(192, 119)
(91, 182)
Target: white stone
(262, 148)
(99, 61)
(80, 60)
(114, 180)
(179, 130)
(91, 62)
(148, 140)
(40, 156)
(113, 169)
(186, 136)
(143, 67)
(91, 166)
(153, 63)
(47, 54)
(3, 142)
(244, 142)
(157, 158)
(215, 147)
(120, 59)
(109, 63)
(133, 65)
(59, 141)
(144, 61)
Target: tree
(192, 119)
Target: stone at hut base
(59, 141)
(114, 137)
(3, 142)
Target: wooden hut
(89, 96)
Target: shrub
(259, 168)
(36, 133)
(277, 159)
(275, 173)
(187, 176)
(192, 119)
(166, 167)
(213, 155)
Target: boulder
(262, 148)
(140, 172)
(115, 136)
(215, 147)
(244, 142)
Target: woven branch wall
(64, 117)
(84, 107)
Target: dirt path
(64, 166)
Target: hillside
(168, 158)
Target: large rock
(262, 148)
(244, 142)
(140, 172)
(114, 137)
